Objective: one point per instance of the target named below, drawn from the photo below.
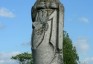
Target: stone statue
(47, 35)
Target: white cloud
(83, 48)
(84, 19)
(4, 12)
(82, 45)
(5, 58)
(87, 61)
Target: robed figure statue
(47, 35)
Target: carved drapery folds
(47, 36)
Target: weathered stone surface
(47, 36)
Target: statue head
(47, 0)
(48, 4)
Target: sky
(16, 28)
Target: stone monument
(47, 35)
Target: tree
(69, 51)
(23, 58)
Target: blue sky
(16, 27)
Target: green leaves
(69, 51)
(23, 58)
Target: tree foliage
(23, 58)
(69, 53)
